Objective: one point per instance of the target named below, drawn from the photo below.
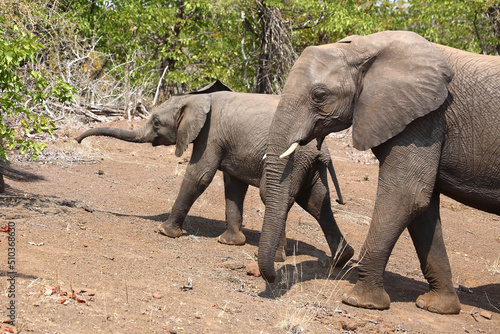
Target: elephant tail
(331, 170)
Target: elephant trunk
(142, 135)
(277, 204)
(278, 195)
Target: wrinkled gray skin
(229, 132)
(431, 116)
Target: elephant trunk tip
(267, 271)
(79, 139)
(268, 277)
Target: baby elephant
(229, 132)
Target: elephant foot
(367, 297)
(439, 302)
(232, 238)
(170, 230)
(342, 257)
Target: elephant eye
(319, 95)
(156, 122)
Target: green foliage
(19, 96)
(112, 50)
(461, 24)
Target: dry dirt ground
(89, 259)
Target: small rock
(253, 269)
(188, 286)
(157, 295)
(486, 314)
(349, 326)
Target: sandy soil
(89, 259)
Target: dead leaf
(5, 229)
(81, 300)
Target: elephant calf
(229, 132)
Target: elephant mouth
(156, 142)
(160, 141)
(319, 136)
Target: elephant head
(177, 121)
(377, 83)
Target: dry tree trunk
(493, 12)
(276, 51)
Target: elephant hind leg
(316, 201)
(235, 191)
(427, 237)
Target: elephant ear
(216, 86)
(403, 77)
(348, 39)
(190, 120)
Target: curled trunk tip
(266, 269)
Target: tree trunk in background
(276, 52)
(493, 12)
(166, 89)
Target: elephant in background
(431, 116)
(229, 132)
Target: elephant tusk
(290, 150)
(264, 157)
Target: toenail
(433, 309)
(353, 301)
(420, 303)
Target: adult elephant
(431, 116)
(228, 131)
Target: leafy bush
(23, 91)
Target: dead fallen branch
(94, 112)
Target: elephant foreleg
(316, 201)
(427, 237)
(235, 191)
(193, 185)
